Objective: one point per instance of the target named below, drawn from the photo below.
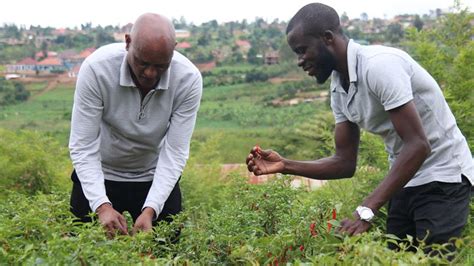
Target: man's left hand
(144, 221)
(354, 226)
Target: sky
(63, 13)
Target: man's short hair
(315, 18)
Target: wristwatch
(365, 213)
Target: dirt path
(52, 84)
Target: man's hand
(262, 162)
(354, 227)
(112, 220)
(144, 221)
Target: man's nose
(150, 72)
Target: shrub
(12, 92)
(27, 161)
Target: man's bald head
(150, 47)
(153, 28)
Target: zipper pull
(141, 115)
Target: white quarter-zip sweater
(117, 136)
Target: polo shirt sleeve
(84, 140)
(175, 147)
(389, 79)
(336, 105)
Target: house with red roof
(51, 64)
(243, 44)
(25, 65)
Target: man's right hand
(112, 220)
(261, 162)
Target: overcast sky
(63, 13)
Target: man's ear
(328, 37)
(128, 40)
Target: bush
(265, 224)
(12, 92)
(27, 161)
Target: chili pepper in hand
(258, 150)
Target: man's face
(148, 62)
(313, 55)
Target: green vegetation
(240, 224)
(12, 92)
(226, 220)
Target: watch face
(365, 214)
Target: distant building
(244, 46)
(51, 64)
(25, 65)
(271, 58)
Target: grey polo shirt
(117, 136)
(383, 78)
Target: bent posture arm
(341, 165)
(84, 145)
(415, 150)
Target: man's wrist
(286, 166)
(149, 211)
(103, 206)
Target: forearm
(333, 167)
(404, 168)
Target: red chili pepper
(333, 217)
(312, 229)
(301, 248)
(258, 150)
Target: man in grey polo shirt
(134, 112)
(384, 91)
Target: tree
(394, 32)
(12, 31)
(102, 37)
(12, 92)
(418, 23)
(252, 56)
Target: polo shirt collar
(127, 81)
(352, 51)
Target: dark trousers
(125, 196)
(434, 212)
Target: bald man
(134, 112)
